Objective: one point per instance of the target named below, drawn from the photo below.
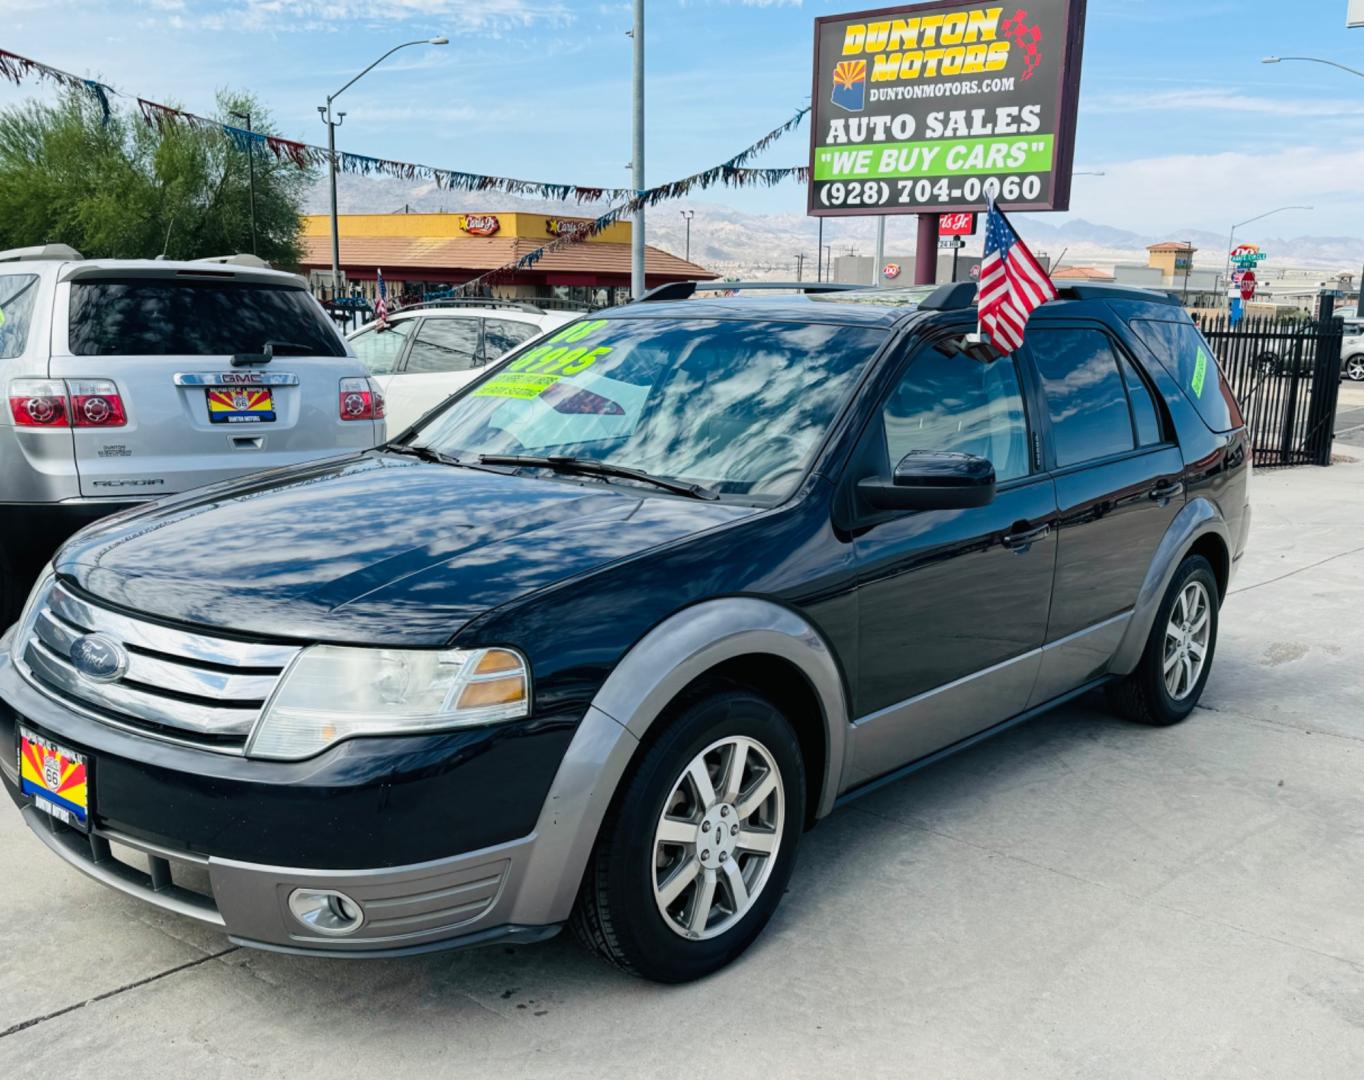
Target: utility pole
(251, 169)
(819, 255)
(800, 265)
(637, 284)
(688, 214)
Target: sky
(1190, 129)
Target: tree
(118, 187)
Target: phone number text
(923, 191)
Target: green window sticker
(1200, 372)
(519, 385)
(2, 316)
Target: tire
(1145, 695)
(628, 910)
(1354, 368)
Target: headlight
(330, 693)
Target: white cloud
(1212, 190)
(1198, 99)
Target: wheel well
(785, 685)
(1212, 549)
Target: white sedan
(427, 353)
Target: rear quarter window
(179, 317)
(1189, 359)
(18, 293)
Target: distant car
(426, 353)
(131, 379)
(1352, 357)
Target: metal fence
(1286, 375)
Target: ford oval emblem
(98, 658)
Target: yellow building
(422, 254)
(1171, 258)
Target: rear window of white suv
(161, 317)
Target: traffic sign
(947, 243)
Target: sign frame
(1068, 100)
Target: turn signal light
(95, 403)
(361, 400)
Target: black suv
(599, 638)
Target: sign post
(935, 107)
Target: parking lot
(1080, 897)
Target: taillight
(38, 403)
(95, 403)
(360, 400)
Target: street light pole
(1231, 240)
(1359, 308)
(251, 169)
(688, 214)
(637, 284)
(332, 124)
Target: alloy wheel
(1354, 368)
(1186, 640)
(718, 837)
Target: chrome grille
(176, 685)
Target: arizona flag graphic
(49, 774)
(233, 405)
(850, 85)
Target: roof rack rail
(480, 301)
(1118, 292)
(950, 297)
(42, 252)
(683, 290)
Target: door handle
(1166, 490)
(1024, 538)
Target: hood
(375, 549)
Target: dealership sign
(936, 106)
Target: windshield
(739, 407)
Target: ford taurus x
(598, 640)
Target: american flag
(1012, 284)
(381, 304)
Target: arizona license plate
(240, 404)
(57, 779)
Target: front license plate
(240, 405)
(55, 778)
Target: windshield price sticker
(535, 371)
(941, 105)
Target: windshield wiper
(426, 453)
(279, 348)
(589, 467)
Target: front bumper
(474, 878)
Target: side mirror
(932, 480)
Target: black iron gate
(1286, 375)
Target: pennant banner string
(732, 173)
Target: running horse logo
(850, 85)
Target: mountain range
(738, 243)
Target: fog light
(326, 911)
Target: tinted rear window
(158, 317)
(1189, 359)
(17, 294)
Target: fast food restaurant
(427, 255)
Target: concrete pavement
(1078, 898)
